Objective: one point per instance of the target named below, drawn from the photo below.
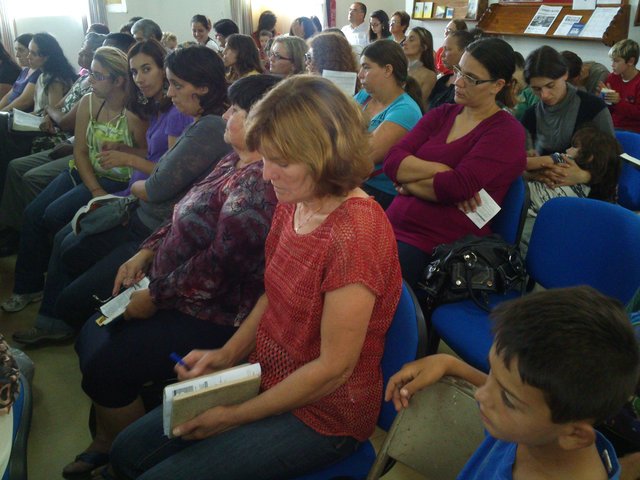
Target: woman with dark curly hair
(330, 51)
(241, 57)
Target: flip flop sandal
(84, 464)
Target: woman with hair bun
(390, 101)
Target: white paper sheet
(567, 24)
(584, 4)
(631, 159)
(117, 305)
(599, 22)
(486, 211)
(345, 81)
(543, 19)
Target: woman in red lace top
(332, 283)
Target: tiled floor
(59, 427)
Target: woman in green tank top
(102, 115)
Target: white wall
(172, 15)
(587, 50)
(69, 32)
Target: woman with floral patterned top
(205, 266)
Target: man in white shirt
(357, 32)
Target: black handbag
(472, 268)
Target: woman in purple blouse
(452, 153)
(205, 268)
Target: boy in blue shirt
(562, 360)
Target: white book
(25, 122)
(118, 304)
(185, 400)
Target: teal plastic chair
(21, 410)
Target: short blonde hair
(333, 142)
(113, 60)
(625, 49)
(296, 48)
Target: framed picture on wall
(428, 10)
(116, 6)
(418, 10)
(440, 11)
(472, 10)
(449, 12)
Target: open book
(183, 401)
(93, 204)
(118, 304)
(25, 122)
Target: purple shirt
(491, 156)
(170, 123)
(21, 82)
(209, 259)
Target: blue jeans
(277, 447)
(52, 209)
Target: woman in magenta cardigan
(452, 153)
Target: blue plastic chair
(509, 221)
(575, 241)
(21, 411)
(629, 182)
(405, 342)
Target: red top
(626, 113)
(355, 244)
(440, 67)
(491, 156)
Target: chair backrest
(580, 241)
(406, 341)
(437, 434)
(21, 411)
(509, 221)
(629, 182)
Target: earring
(142, 100)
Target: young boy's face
(513, 411)
(619, 65)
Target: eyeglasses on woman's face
(98, 76)
(468, 79)
(277, 56)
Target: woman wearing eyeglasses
(286, 56)
(398, 26)
(454, 152)
(379, 26)
(104, 118)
